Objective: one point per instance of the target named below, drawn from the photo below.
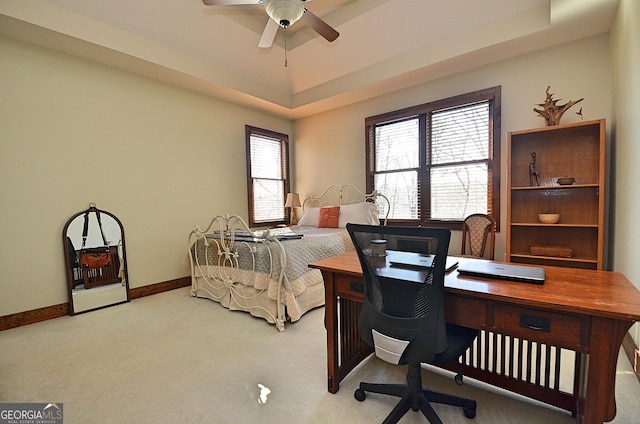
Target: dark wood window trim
(423, 112)
(284, 170)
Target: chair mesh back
(422, 305)
(406, 302)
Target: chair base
(414, 397)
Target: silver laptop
(522, 273)
(417, 260)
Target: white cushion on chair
(387, 348)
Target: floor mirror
(95, 260)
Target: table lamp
(293, 201)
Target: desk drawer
(465, 311)
(349, 287)
(547, 327)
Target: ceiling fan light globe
(284, 12)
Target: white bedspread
(266, 260)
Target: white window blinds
(268, 177)
(435, 161)
(459, 161)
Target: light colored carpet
(171, 358)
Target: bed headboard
(346, 194)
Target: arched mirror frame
(120, 245)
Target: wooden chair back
(476, 230)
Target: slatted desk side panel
(541, 371)
(352, 349)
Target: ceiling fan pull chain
(286, 48)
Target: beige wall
(73, 132)
(625, 55)
(329, 148)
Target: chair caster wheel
(458, 379)
(360, 395)
(470, 412)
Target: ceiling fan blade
(319, 26)
(228, 2)
(268, 34)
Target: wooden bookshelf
(572, 150)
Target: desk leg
(598, 402)
(331, 325)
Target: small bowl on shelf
(549, 218)
(566, 180)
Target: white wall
(625, 55)
(329, 147)
(160, 158)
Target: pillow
(310, 217)
(329, 217)
(356, 213)
(359, 213)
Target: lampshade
(284, 12)
(293, 200)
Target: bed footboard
(239, 268)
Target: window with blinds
(267, 169)
(435, 161)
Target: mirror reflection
(95, 260)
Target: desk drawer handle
(356, 287)
(535, 323)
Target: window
(267, 176)
(438, 162)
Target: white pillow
(358, 213)
(310, 217)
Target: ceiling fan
(282, 13)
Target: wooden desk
(584, 311)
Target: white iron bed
(265, 272)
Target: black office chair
(403, 312)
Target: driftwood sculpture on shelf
(551, 111)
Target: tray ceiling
(384, 45)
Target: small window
(267, 176)
(436, 161)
